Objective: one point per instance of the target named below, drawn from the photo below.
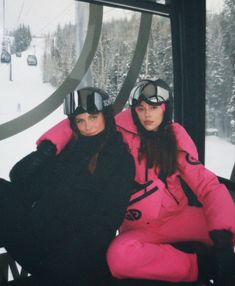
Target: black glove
(224, 257)
(30, 164)
(47, 148)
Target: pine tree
(22, 38)
(215, 74)
(60, 55)
(229, 47)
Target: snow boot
(206, 264)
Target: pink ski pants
(146, 253)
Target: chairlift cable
(56, 17)
(20, 13)
(30, 8)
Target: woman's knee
(121, 255)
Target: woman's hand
(30, 164)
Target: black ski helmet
(91, 100)
(87, 99)
(153, 92)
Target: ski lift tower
(3, 26)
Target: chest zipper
(146, 177)
(168, 190)
(145, 190)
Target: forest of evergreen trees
(114, 55)
(22, 39)
(220, 107)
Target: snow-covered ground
(220, 156)
(27, 90)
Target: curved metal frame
(142, 42)
(36, 114)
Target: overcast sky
(44, 15)
(41, 15)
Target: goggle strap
(163, 93)
(69, 103)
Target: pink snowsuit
(160, 215)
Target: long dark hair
(159, 148)
(109, 132)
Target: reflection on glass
(220, 87)
(158, 1)
(57, 43)
(161, 1)
(44, 40)
(158, 57)
(115, 51)
(117, 46)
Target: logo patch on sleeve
(191, 160)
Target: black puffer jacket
(71, 208)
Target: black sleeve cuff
(221, 238)
(47, 148)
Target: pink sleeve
(184, 141)
(218, 206)
(60, 135)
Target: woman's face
(90, 124)
(150, 116)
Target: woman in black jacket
(59, 213)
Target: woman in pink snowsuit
(165, 235)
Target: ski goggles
(150, 92)
(88, 99)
